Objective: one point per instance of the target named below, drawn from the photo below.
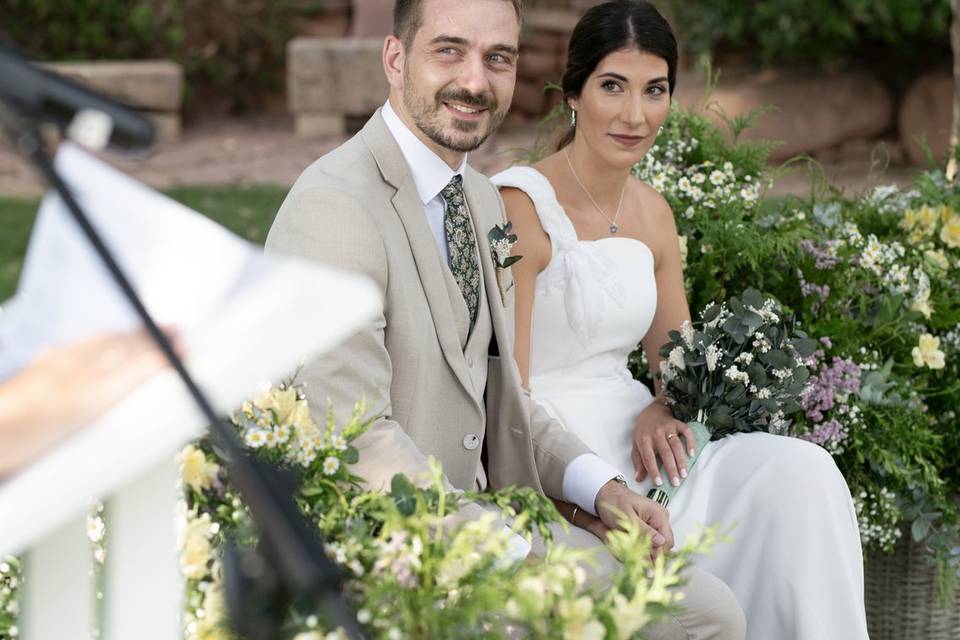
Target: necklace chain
(613, 222)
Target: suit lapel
(430, 266)
(481, 226)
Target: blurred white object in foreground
(243, 318)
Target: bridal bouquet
(740, 368)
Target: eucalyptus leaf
(404, 495)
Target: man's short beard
(429, 122)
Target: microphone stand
(290, 563)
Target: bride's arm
(533, 244)
(656, 422)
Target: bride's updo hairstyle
(615, 26)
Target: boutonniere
(501, 245)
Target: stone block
(167, 125)
(927, 115)
(529, 98)
(372, 18)
(334, 75)
(151, 85)
(320, 125)
(540, 66)
(809, 112)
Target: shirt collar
(430, 173)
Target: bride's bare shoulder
(532, 241)
(651, 202)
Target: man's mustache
(480, 101)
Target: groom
(399, 203)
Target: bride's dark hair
(614, 26)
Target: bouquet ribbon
(664, 494)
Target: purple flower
(830, 432)
(809, 289)
(825, 258)
(840, 378)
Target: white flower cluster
(890, 199)
(702, 185)
(733, 374)
(9, 590)
(882, 260)
(769, 311)
(280, 419)
(878, 516)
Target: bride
(601, 272)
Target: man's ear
(394, 57)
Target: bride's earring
(573, 118)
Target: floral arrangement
(873, 280)
(413, 566)
(740, 368)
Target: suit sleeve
(333, 228)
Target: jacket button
(471, 441)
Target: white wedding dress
(795, 562)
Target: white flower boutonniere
(501, 245)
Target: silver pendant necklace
(613, 221)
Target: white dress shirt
(587, 473)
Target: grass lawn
(248, 211)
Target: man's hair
(407, 18)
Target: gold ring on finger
(672, 435)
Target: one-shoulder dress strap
(553, 219)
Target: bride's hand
(658, 434)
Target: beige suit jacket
(358, 208)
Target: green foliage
(415, 562)
(246, 210)
(234, 48)
(874, 279)
(912, 33)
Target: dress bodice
(594, 301)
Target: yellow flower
(937, 259)
(629, 616)
(928, 353)
(195, 470)
(213, 625)
(950, 233)
(683, 251)
(924, 307)
(195, 549)
(909, 219)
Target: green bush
(875, 278)
(234, 48)
(825, 32)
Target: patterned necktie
(461, 244)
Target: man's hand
(615, 501)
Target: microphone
(87, 118)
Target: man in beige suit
(399, 203)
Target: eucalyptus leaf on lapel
(501, 245)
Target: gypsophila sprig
(10, 582)
(740, 368)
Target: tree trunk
(955, 132)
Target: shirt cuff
(518, 548)
(583, 478)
